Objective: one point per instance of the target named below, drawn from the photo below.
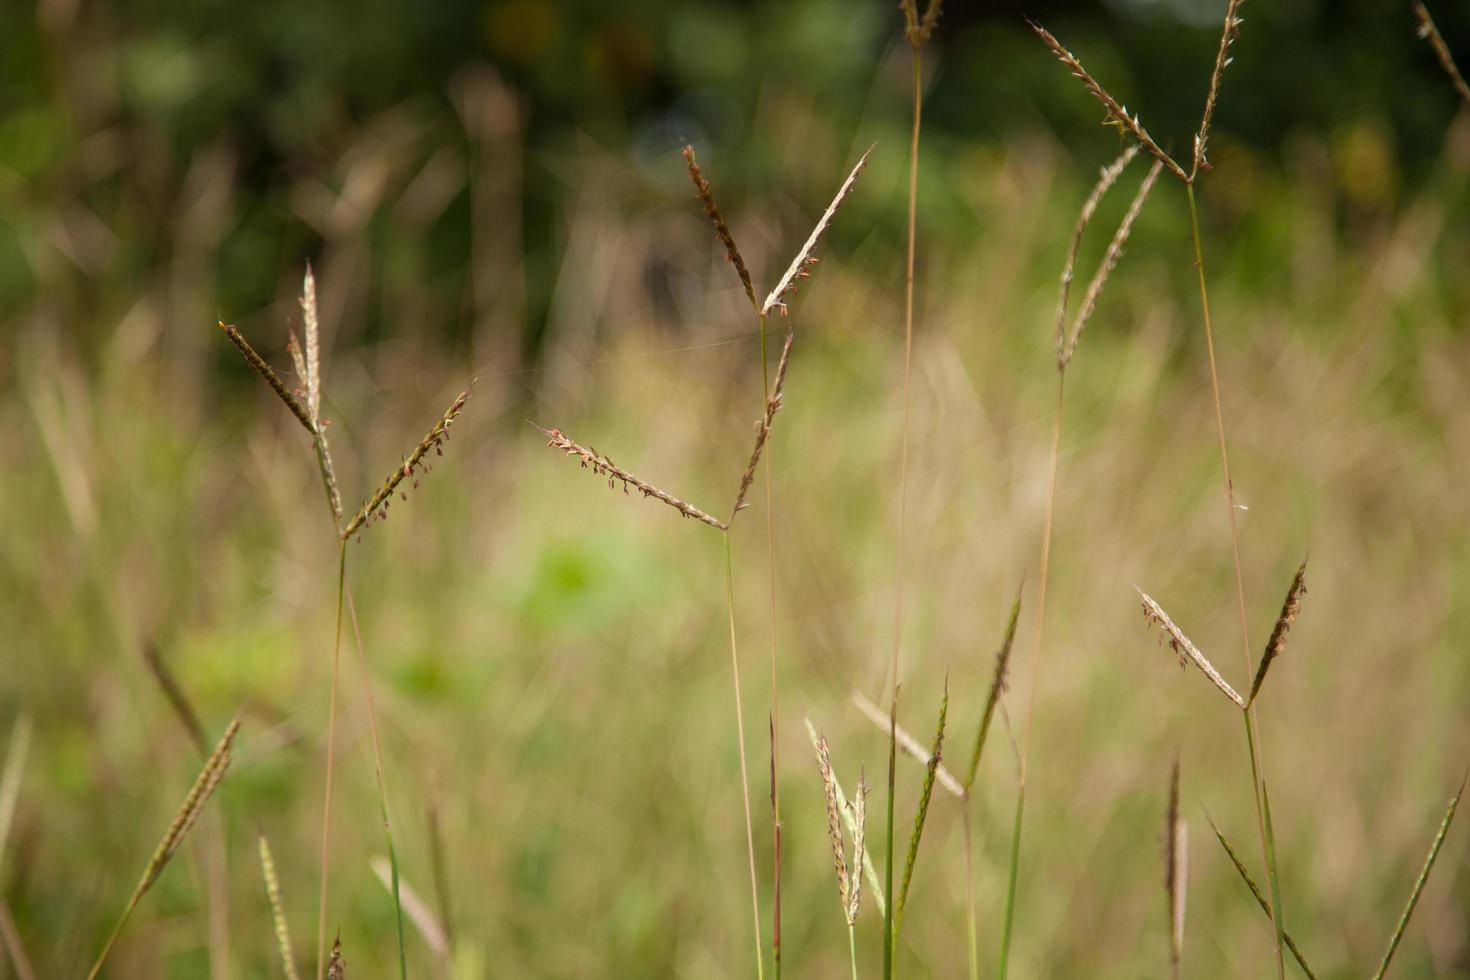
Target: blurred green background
(495, 191)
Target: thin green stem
(852, 949)
(775, 712)
(112, 938)
(970, 936)
(321, 915)
(367, 691)
(908, 358)
(1005, 937)
(888, 919)
(1258, 786)
(760, 964)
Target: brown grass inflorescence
(1181, 645)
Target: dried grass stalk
(800, 267)
(1107, 177)
(922, 815)
(1228, 37)
(1117, 113)
(909, 744)
(850, 811)
(419, 914)
(722, 230)
(278, 910)
(437, 436)
(199, 794)
(1109, 261)
(268, 373)
(1429, 32)
(602, 466)
(763, 428)
(15, 764)
(1277, 644)
(336, 965)
(1176, 869)
(1181, 645)
(997, 688)
(1261, 899)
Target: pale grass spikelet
(997, 688)
(801, 265)
(1183, 647)
(922, 815)
(858, 821)
(722, 230)
(1430, 33)
(433, 441)
(298, 361)
(1110, 260)
(763, 428)
(278, 911)
(834, 824)
(313, 345)
(1277, 644)
(850, 810)
(909, 744)
(1117, 112)
(602, 466)
(1107, 177)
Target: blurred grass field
(549, 657)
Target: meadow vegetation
(902, 718)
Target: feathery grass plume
(763, 428)
(801, 265)
(1277, 644)
(1261, 899)
(1117, 113)
(997, 688)
(419, 913)
(336, 965)
(204, 786)
(909, 744)
(1403, 923)
(268, 373)
(378, 502)
(175, 696)
(849, 811)
(834, 825)
(923, 812)
(1222, 61)
(722, 230)
(1176, 869)
(1429, 32)
(278, 910)
(1181, 645)
(1107, 177)
(1110, 259)
(602, 466)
